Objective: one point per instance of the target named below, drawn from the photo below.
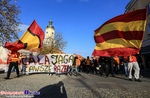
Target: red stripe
(128, 35)
(14, 47)
(131, 16)
(125, 51)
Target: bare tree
(9, 21)
(55, 45)
(60, 43)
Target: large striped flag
(31, 39)
(121, 35)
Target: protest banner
(50, 63)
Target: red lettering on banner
(31, 59)
(47, 59)
(39, 60)
(59, 68)
(69, 67)
(55, 68)
(24, 61)
(64, 69)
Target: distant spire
(50, 22)
(50, 25)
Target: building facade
(145, 48)
(49, 34)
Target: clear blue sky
(75, 19)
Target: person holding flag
(14, 59)
(31, 39)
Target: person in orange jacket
(14, 59)
(75, 65)
(116, 62)
(87, 64)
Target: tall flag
(31, 39)
(121, 35)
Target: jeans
(125, 68)
(13, 69)
(117, 68)
(94, 69)
(74, 68)
(111, 68)
(10, 68)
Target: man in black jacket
(104, 65)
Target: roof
(79, 57)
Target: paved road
(81, 86)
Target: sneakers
(138, 80)
(141, 76)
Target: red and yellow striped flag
(121, 35)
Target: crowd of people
(127, 65)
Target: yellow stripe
(14, 59)
(122, 26)
(118, 43)
(32, 41)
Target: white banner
(51, 63)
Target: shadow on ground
(145, 73)
(93, 91)
(52, 91)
